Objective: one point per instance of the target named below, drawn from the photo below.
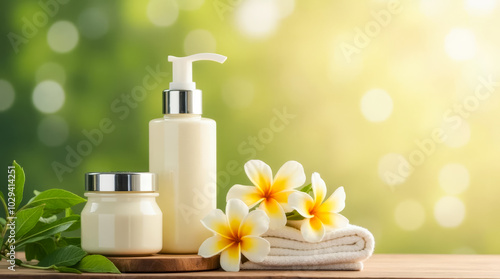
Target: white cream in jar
(121, 216)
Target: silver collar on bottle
(182, 101)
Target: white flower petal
(295, 223)
(332, 220)
(319, 188)
(336, 202)
(255, 248)
(255, 224)
(250, 195)
(216, 221)
(275, 212)
(282, 199)
(213, 246)
(231, 257)
(340, 221)
(312, 230)
(301, 202)
(236, 211)
(290, 176)
(260, 174)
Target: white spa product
(182, 152)
(121, 216)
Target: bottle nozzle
(182, 75)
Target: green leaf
(30, 252)
(47, 213)
(56, 199)
(65, 256)
(294, 215)
(20, 178)
(76, 225)
(2, 225)
(66, 269)
(4, 204)
(38, 250)
(42, 231)
(27, 219)
(306, 189)
(77, 241)
(68, 212)
(97, 263)
(35, 192)
(65, 241)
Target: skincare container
(121, 216)
(182, 152)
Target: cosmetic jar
(121, 216)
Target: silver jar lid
(120, 181)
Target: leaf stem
(36, 267)
(29, 265)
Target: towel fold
(340, 249)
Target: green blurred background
(396, 101)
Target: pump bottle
(182, 152)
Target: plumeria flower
(320, 216)
(236, 232)
(271, 194)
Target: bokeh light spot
(93, 23)
(53, 130)
(62, 36)
(48, 96)
(460, 44)
(410, 215)
(51, 71)
(285, 7)
(237, 93)
(7, 95)
(198, 41)
(449, 212)
(162, 12)
(457, 136)
(257, 18)
(376, 105)
(454, 178)
(190, 5)
(394, 169)
(480, 7)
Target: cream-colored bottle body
(182, 152)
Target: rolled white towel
(340, 249)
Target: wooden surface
(165, 263)
(378, 266)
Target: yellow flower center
(265, 191)
(313, 209)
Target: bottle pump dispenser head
(182, 96)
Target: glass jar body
(115, 223)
